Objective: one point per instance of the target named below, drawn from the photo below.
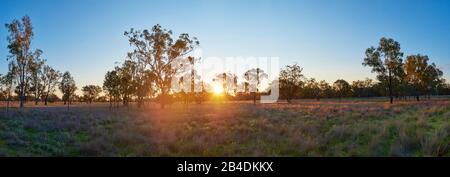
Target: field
(304, 128)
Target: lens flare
(218, 90)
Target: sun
(218, 90)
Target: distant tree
(342, 88)
(226, 80)
(193, 74)
(432, 78)
(127, 84)
(254, 77)
(358, 87)
(19, 38)
(235, 85)
(111, 85)
(390, 70)
(91, 92)
(8, 81)
(423, 77)
(68, 88)
(291, 81)
(326, 91)
(50, 79)
(313, 89)
(368, 86)
(160, 53)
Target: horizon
(327, 41)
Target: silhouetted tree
(415, 67)
(50, 79)
(390, 69)
(325, 89)
(8, 81)
(312, 89)
(91, 92)
(111, 85)
(291, 81)
(254, 77)
(67, 87)
(432, 78)
(19, 38)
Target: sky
(327, 38)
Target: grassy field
(307, 128)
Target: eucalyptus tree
(50, 79)
(91, 92)
(111, 85)
(291, 81)
(342, 88)
(67, 87)
(386, 61)
(313, 89)
(157, 51)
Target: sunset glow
(218, 90)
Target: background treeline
(158, 60)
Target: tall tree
(50, 79)
(386, 61)
(19, 38)
(160, 53)
(291, 81)
(68, 88)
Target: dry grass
(328, 128)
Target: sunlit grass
(345, 128)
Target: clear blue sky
(326, 37)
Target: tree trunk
(390, 88)
(46, 98)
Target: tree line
(29, 77)
(158, 59)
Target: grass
(309, 128)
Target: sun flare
(218, 90)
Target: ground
(304, 128)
